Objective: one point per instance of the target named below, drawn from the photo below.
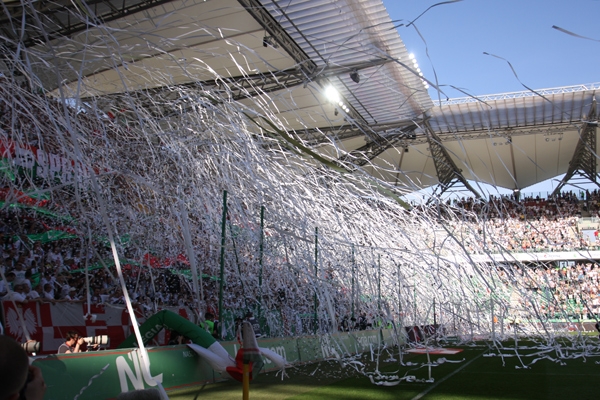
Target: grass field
(477, 377)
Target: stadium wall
(105, 374)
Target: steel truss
(383, 132)
(448, 173)
(238, 88)
(584, 161)
(307, 66)
(44, 21)
(315, 136)
(266, 20)
(371, 150)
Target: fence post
(316, 277)
(222, 271)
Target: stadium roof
(511, 140)
(282, 58)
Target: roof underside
(278, 57)
(512, 140)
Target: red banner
(48, 323)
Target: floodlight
(332, 94)
(354, 76)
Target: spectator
(18, 380)
(17, 295)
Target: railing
(520, 94)
(586, 221)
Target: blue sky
(456, 35)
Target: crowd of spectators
(505, 224)
(53, 271)
(571, 290)
(46, 270)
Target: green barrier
(388, 337)
(366, 340)
(316, 348)
(105, 374)
(309, 348)
(175, 322)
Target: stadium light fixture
(332, 94)
(354, 76)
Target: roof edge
(516, 95)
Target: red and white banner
(49, 323)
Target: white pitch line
(430, 388)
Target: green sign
(104, 374)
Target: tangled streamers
(161, 157)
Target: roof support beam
(584, 162)
(303, 61)
(385, 131)
(263, 17)
(252, 85)
(369, 151)
(448, 173)
(241, 87)
(63, 18)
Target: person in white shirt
(6, 284)
(96, 297)
(48, 292)
(72, 295)
(17, 295)
(38, 252)
(31, 295)
(19, 272)
(54, 255)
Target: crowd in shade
(54, 271)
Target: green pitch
(477, 377)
